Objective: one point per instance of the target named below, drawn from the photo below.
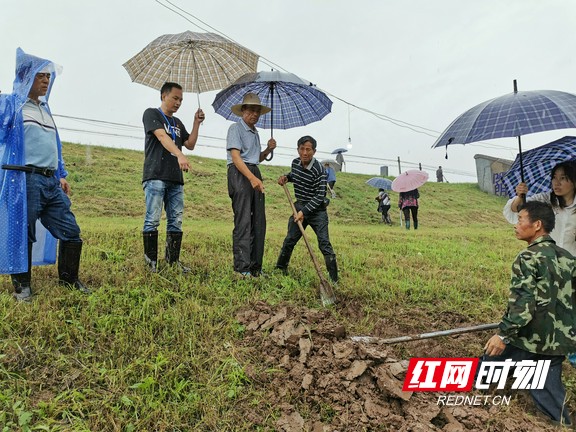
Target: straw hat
(249, 99)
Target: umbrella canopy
(538, 164)
(380, 183)
(512, 115)
(409, 180)
(515, 114)
(339, 150)
(335, 165)
(199, 62)
(294, 101)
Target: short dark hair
(540, 211)
(167, 88)
(305, 139)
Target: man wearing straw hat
(245, 186)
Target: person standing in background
(330, 179)
(439, 175)
(408, 203)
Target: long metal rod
(376, 340)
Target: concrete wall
(489, 171)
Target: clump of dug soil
(318, 379)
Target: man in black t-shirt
(163, 181)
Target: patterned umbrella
(409, 180)
(512, 115)
(380, 183)
(199, 62)
(294, 101)
(339, 150)
(538, 164)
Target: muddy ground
(317, 379)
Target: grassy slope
(159, 352)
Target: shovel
(325, 289)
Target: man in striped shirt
(309, 179)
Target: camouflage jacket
(541, 314)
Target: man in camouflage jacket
(539, 323)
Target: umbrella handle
(271, 154)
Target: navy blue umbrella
(512, 115)
(538, 164)
(380, 183)
(294, 101)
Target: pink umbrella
(409, 180)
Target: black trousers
(414, 211)
(319, 223)
(249, 220)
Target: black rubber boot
(407, 224)
(22, 281)
(69, 265)
(332, 267)
(173, 246)
(415, 225)
(283, 261)
(151, 250)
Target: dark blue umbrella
(294, 101)
(512, 115)
(380, 183)
(538, 164)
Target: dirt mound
(318, 379)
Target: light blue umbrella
(380, 183)
(538, 164)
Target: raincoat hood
(27, 66)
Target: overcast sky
(419, 61)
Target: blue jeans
(47, 201)
(158, 192)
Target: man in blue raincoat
(33, 186)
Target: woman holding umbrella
(561, 197)
(408, 203)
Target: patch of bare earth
(313, 377)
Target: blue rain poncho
(13, 210)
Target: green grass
(163, 352)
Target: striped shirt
(40, 142)
(309, 184)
